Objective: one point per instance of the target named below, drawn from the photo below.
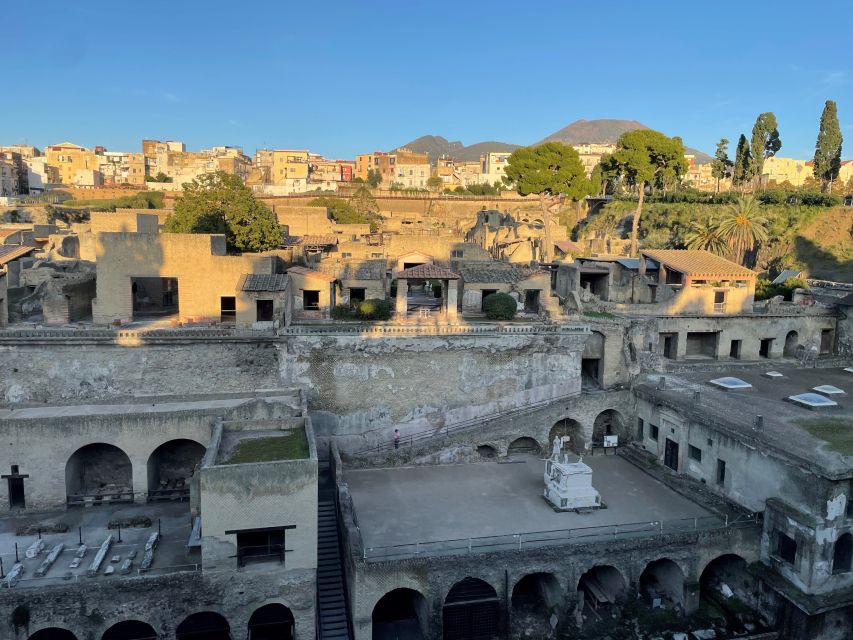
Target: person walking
(396, 438)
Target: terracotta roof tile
(9, 252)
(428, 272)
(263, 282)
(324, 240)
(696, 262)
(309, 273)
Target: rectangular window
(721, 472)
(261, 545)
(456, 253)
(786, 548)
(640, 428)
(654, 431)
(356, 294)
(346, 254)
(264, 310)
(734, 349)
(695, 453)
(311, 300)
(227, 309)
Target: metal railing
(429, 434)
(538, 539)
(432, 329)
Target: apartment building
(74, 163)
(120, 167)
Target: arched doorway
(662, 584)
(130, 630)
(523, 446)
(534, 599)
(53, 633)
(602, 586)
(609, 423)
(271, 622)
(486, 452)
(842, 554)
(792, 341)
(170, 467)
(726, 590)
(470, 611)
(401, 613)
(572, 429)
(98, 473)
(205, 625)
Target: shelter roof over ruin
(696, 262)
(309, 273)
(262, 282)
(11, 252)
(428, 272)
(324, 240)
(354, 269)
(496, 272)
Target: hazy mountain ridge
(580, 131)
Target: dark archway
(471, 611)
(534, 599)
(727, 591)
(572, 429)
(487, 452)
(662, 584)
(53, 633)
(792, 341)
(130, 630)
(98, 472)
(205, 625)
(271, 622)
(401, 613)
(842, 554)
(610, 423)
(602, 586)
(524, 446)
(170, 467)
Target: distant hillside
(578, 132)
(437, 146)
(606, 131)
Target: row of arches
(270, 622)
(101, 468)
(607, 422)
(471, 610)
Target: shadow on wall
(821, 263)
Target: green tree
(744, 227)
(740, 170)
(765, 143)
(721, 165)
(646, 158)
(365, 206)
(435, 183)
(705, 234)
(341, 211)
(220, 203)
(553, 171)
(374, 178)
(827, 154)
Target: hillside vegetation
(815, 239)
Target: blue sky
(341, 78)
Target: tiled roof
(428, 272)
(354, 269)
(263, 282)
(5, 233)
(696, 262)
(9, 252)
(496, 272)
(325, 240)
(567, 246)
(309, 273)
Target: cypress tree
(827, 154)
(741, 170)
(765, 142)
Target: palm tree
(705, 234)
(743, 227)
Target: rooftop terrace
(436, 509)
(822, 437)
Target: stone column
(452, 297)
(402, 303)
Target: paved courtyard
(398, 506)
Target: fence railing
(538, 539)
(432, 329)
(430, 434)
(124, 334)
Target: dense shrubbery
(499, 306)
(805, 198)
(373, 309)
(765, 289)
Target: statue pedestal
(568, 485)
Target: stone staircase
(332, 614)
